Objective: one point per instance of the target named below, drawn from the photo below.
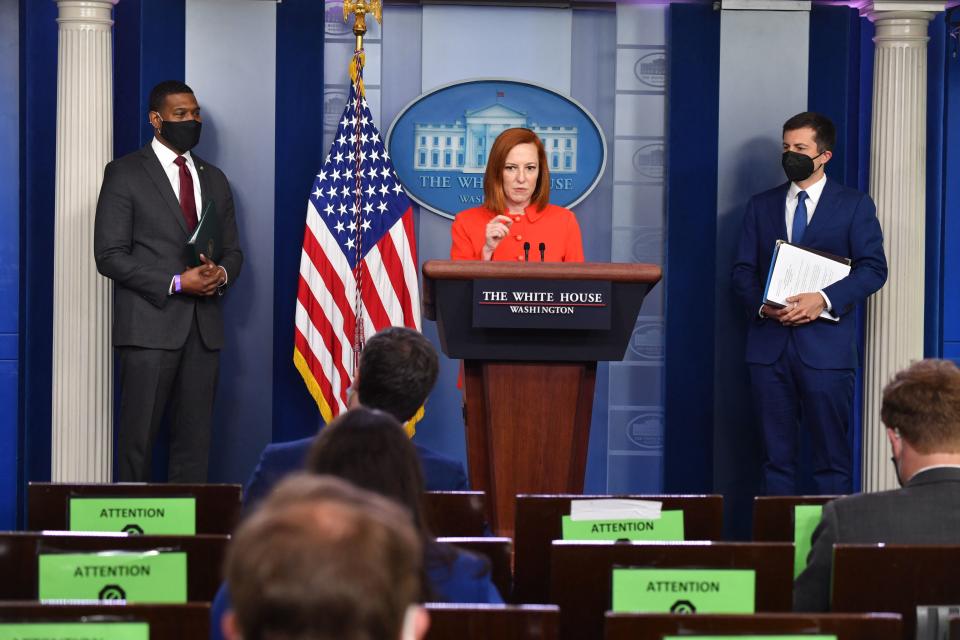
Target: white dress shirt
(814, 192)
(166, 156)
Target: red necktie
(187, 203)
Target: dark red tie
(187, 203)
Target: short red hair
(493, 177)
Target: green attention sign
(806, 517)
(669, 526)
(740, 636)
(75, 631)
(149, 576)
(156, 516)
(684, 590)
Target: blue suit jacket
(280, 458)
(845, 224)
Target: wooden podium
(528, 391)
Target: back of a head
(398, 368)
(370, 449)
(320, 560)
(922, 402)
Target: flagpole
(359, 9)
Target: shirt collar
(814, 191)
(934, 466)
(532, 214)
(166, 155)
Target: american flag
(359, 238)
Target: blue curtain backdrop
(9, 261)
(38, 111)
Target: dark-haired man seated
(398, 368)
(921, 410)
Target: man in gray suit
(921, 411)
(167, 324)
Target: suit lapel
(153, 168)
(824, 210)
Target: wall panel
(237, 40)
(763, 81)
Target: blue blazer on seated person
(459, 576)
(440, 473)
(462, 578)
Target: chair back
(846, 626)
(581, 582)
(895, 578)
(503, 622)
(167, 621)
(217, 505)
(456, 513)
(539, 522)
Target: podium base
(528, 426)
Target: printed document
(796, 270)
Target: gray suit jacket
(139, 240)
(925, 511)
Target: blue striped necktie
(800, 218)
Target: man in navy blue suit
(802, 367)
(398, 368)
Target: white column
(894, 327)
(82, 416)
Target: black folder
(207, 238)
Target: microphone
(526, 251)
(543, 249)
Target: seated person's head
(370, 449)
(322, 559)
(921, 410)
(398, 368)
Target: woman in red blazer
(516, 220)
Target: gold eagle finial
(360, 9)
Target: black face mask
(797, 166)
(183, 135)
